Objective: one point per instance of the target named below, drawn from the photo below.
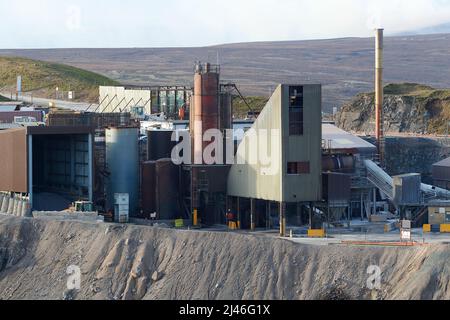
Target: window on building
(298, 168)
(296, 110)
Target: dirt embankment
(136, 262)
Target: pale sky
(172, 23)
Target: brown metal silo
(205, 113)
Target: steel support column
(252, 214)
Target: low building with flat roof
(441, 173)
(52, 165)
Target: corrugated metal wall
(246, 180)
(441, 174)
(255, 179)
(305, 148)
(13, 160)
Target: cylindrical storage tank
(148, 188)
(338, 163)
(122, 163)
(159, 144)
(167, 190)
(206, 108)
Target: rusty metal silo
(205, 113)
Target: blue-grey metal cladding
(122, 162)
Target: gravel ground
(141, 262)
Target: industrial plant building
(293, 174)
(151, 99)
(284, 167)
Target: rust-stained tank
(167, 190)
(148, 188)
(205, 113)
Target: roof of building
(11, 103)
(443, 163)
(340, 139)
(9, 116)
(46, 130)
(5, 126)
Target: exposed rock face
(407, 108)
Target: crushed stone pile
(141, 262)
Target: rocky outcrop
(407, 108)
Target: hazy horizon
(49, 24)
(406, 34)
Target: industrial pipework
(379, 134)
(379, 178)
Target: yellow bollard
(232, 225)
(194, 218)
(316, 233)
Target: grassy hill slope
(240, 108)
(3, 99)
(42, 78)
